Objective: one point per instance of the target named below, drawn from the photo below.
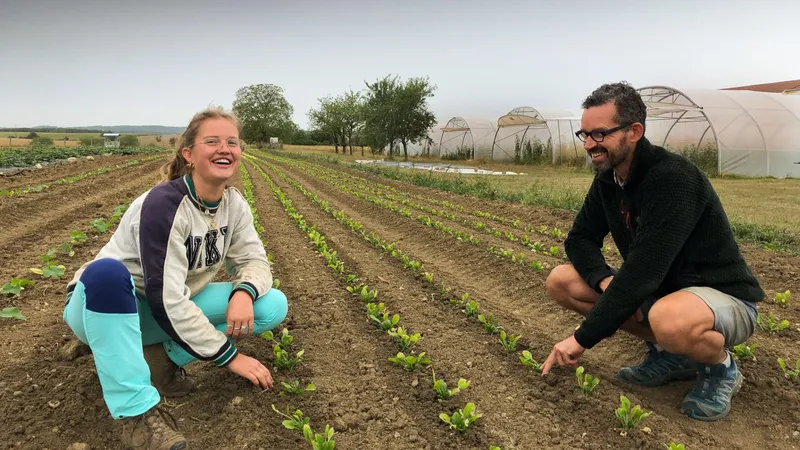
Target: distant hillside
(133, 129)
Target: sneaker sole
(734, 391)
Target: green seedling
(51, 269)
(443, 289)
(355, 290)
(791, 374)
(537, 265)
(350, 279)
(461, 419)
(538, 247)
(12, 312)
(490, 324)
(509, 341)
(285, 362)
(743, 351)
(494, 447)
(782, 298)
(320, 441)
(16, 286)
(441, 388)
(527, 360)
(386, 323)
(586, 382)
(429, 277)
(411, 362)
(375, 311)
(630, 418)
(771, 324)
(276, 283)
(286, 338)
(556, 233)
(100, 225)
(404, 338)
(51, 255)
(674, 446)
(294, 421)
(294, 388)
(471, 308)
(554, 251)
(66, 247)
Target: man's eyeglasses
(599, 135)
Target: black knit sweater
(671, 231)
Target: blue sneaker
(710, 399)
(658, 368)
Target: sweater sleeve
(671, 207)
(163, 231)
(246, 259)
(585, 240)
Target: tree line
(388, 114)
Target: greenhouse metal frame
(554, 126)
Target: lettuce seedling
(461, 419)
(538, 247)
(782, 298)
(429, 277)
(771, 325)
(554, 251)
(285, 362)
(368, 296)
(586, 382)
(295, 421)
(471, 308)
(489, 324)
(556, 233)
(743, 351)
(276, 283)
(527, 360)
(494, 447)
(100, 225)
(294, 388)
(375, 311)
(509, 341)
(320, 441)
(351, 278)
(791, 374)
(674, 446)
(537, 265)
(404, 338)
(630, 418)
(16, 286)
(441, 388)
(411, 362)
(12, 312)
(286, 338)
(385, 322)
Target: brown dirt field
(50, 173)
(51, 403)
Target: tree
(339, 117)
(264, 112)
(379, 114)
(128, 140)
(414, 119)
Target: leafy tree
(128, 140)
(339, 117)
(264, 113)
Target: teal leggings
(105, 313)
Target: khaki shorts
(735, 319)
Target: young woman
(146, 304)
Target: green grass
(771, 224)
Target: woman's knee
(108, 287)
(270, 309)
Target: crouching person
(146, 304)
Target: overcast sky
(90, 62)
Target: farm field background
(422, 250)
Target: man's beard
(613, 159)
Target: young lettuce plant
(320, 441)
(375, 311)
(791, 374)
(586, 382)
(16, 286)
(490, 324)
(286, 338)
(527, 360)
(294, 388)
(509, 341)
(386, 323)
(461, 419)
(12, 312)
(771, 324)
(674, 446)
(782, 298)
(630, 418)
(440, 387)
(429, 277)
(294, 421)
(285, 362)
(411, 362)
(743, 351)
(471, 308)
(405, 340)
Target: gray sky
(89, 62)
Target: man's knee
(559, 281)
(108, 287)
(673, 326)
(270, 309)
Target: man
(684, 286)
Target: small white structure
(111, 140)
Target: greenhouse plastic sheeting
(553, 127)
(754, 133)
(476, 133)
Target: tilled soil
(373, 404)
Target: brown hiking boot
(154, 430)
(169, 379)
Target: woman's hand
(239, 315)
(251, 369)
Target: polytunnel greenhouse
(470, 136)
(727, 131)
(528, 134)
